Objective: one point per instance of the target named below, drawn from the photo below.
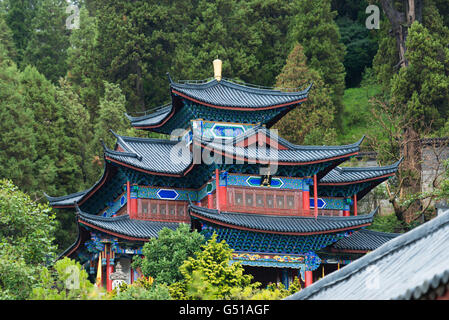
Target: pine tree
(17, 139)
(110, 117)
(315, 29)
(39, 98)
(19, 16)
(6, 39)
(47, 48)
(83, 73)
(312, 121)
(423, 87)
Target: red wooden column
(315, 195)
(346, 213)
(217, 189)
(355, 205)
(308, 278)
(108, 268)
(133, 198)
(221, 192)
(128, 198)
(306, 200)
(210, 201)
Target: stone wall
(434, 152)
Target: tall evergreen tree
(82, 63)
(312, 121)
(19, 15)
(315, 29)
(17, 138)
(47, 47)
(48, 129)
(110, 117)
(6, 39)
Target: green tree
(423, 87)
(19, 14)
(82, 63)
(312, 122)
(361, 47)
(143, 290)
(315, 29)
(17, 139)
(26, 241)
(39, 96)
(6, 39)
(209, 275)
(47, 47)
(66, 280)
(111, 116)
(164, 255)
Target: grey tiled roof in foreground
(123, 225)
(406, 267)
(282, 224)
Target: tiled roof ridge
(156, 111)
(368, 216)
(382, 233)
(99, 218)
(229, 83)
(394, 165)
(255, 130)
(65, 197)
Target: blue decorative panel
(276, 182)
(330, 204)
(167, 194)
(320, 203)
(222, 130)
(115, 206)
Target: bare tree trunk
(400, 22)
(412, 152)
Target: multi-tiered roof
(149, 184)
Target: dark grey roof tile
(287, 224)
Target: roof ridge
(149, 140)
(323, 218)
(371, 168)
(157, 111)
(387, 234)
(230, 84)
(67, 196)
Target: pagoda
(286, 210)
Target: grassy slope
(356, 113)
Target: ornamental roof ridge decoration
(295, 225)
(396, 262)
